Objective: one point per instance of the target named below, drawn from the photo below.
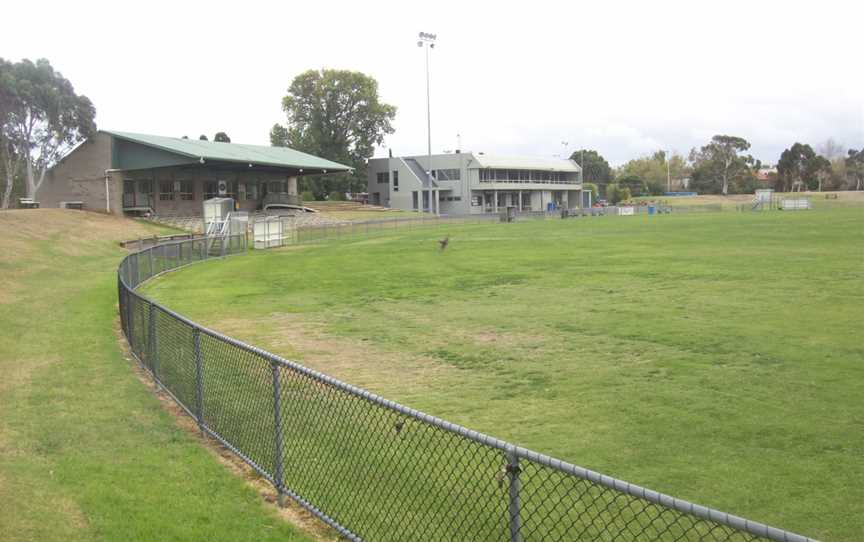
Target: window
(211, 189)
(186, 189)
(527, 176)
(396, 181)
(231, 189)
(252, 190)
(414, 200)
(166, 191)
(446, 174)
(382, 177)
(457, 198)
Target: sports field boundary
(374, 469)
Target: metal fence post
(136, 270)
(277, 434)
(122, 302)
(515, 487)
(150, 257)
(154, 355)
(130, 324)
(222, 249)
(199, 379)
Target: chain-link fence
(374, 469)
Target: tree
(335, 114)
(633, 183)
(279, 136)
(719, 165)
(616, 193)
(855, 167)
(801, 168)
(43, 118)
(653, 171)
(10, 160)
(821, 172)
(591, 187)
(203, 137)
(595, 169)
(221, 137)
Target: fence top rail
(681, 505)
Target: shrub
(336, 196)
(307, 195)
(616, 193)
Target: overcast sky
(625, 78)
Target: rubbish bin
(652, 209)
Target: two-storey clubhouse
(471, 183)
(125, 173)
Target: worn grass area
(86, 452)
(714, 357)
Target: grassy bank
(714, 357)
(86, 451)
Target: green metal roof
(233, 152)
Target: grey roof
(233, 152)
(524, 162)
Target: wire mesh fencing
(374, 469)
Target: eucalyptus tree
(721, 164)
(43, 118)
(801, 168)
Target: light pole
(427, 41)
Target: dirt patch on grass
(352, 360)
(291, 512)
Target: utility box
(268, 232)
(795, 204)
(216, 210)
(239, 223)
(764, 195)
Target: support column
(495, 200)
(520, 201)
(292, 186)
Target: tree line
(723, 166)
(338, 115)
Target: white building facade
(474, 183)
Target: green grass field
(715, 357)
(86, 451)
